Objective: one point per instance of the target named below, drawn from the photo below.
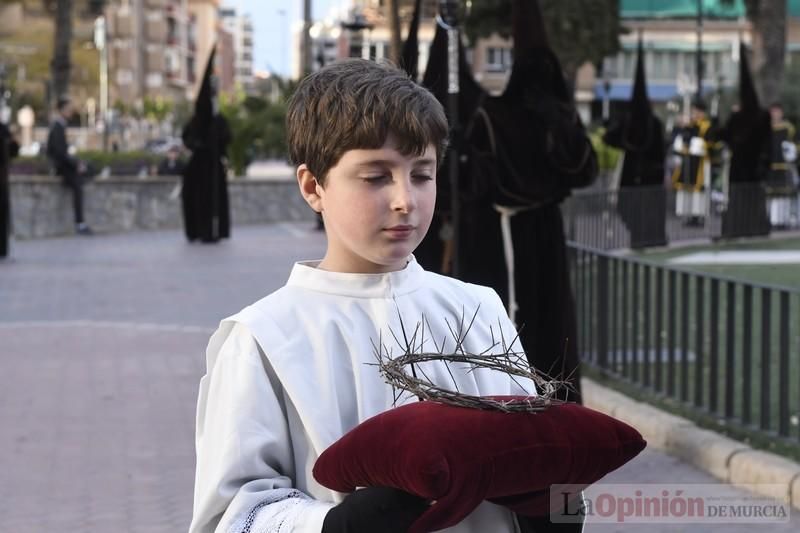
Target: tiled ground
(101, 348)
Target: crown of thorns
(500, 356)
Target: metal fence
(638, 217)
(719, 346)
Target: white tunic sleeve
(245, 467)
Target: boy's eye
(375, 179)
(422, 177)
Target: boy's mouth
(400, 231)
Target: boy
(292, 373)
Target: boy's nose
(403, 199)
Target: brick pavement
(101, 350)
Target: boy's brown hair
(355, 104)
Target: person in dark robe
(520, 154)
(748, 134)
(9, 148)
(539, 151)
(641, 198)
(204, 193)
(435, 252)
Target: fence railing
(637, 217)
(718, 346)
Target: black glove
(375, 510)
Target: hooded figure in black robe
(641, 198)
(205, 191)
(520, 153)
(748, 134)
(434, 251)
(8, 150)
(538, 150)
(409, 57)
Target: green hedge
(120, 163)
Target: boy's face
(377, 206)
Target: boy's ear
(309, 187)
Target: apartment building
(240, 27)
(206, 26)
(151, 50)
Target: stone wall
(41, 207)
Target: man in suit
(70, 169)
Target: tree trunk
(769, 47)
(61, 65)
(395, 40)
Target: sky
(273, 21)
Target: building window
(124, 77)
(154, 80)
(498, 59)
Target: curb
(726, 459)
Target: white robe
(289, 375)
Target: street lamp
(699, 57)
(356, 27)
(101, 45)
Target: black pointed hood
(204, 105)
(410, 55)
(640, 112)
(748, 97)
(536, 68)
(527, 27)
(640, 102)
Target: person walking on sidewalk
(68, 167)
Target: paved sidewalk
(101, 348)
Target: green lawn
(783, 275)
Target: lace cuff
(284, 511)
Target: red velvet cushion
(460, 457)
